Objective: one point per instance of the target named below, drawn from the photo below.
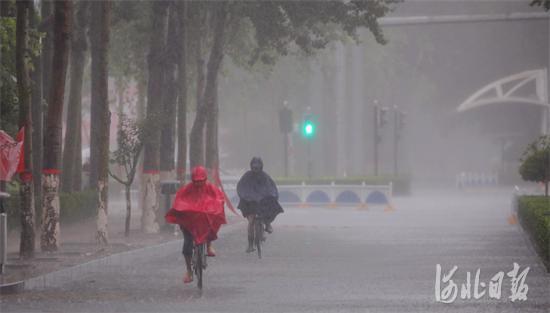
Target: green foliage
(535, 162)
(130, 32)
(8, 89)
(542, 3)
(534, 215)
(74, 207)
(281, 26)
(78, 206)
(9, 110)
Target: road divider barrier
(475, 179)
(331, 195)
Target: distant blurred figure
(258, 196)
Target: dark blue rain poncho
(258, 193)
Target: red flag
(11, 153)
(21, 138)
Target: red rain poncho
(199, 209)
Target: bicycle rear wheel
(258, 235)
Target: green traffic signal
(308, 129)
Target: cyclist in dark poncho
(258, 196)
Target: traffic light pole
(309, 160)
(285, 136)
(395, 139)
(375, 140)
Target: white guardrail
(476, 179)
(330, 194)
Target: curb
(10, 288)
(60, 277)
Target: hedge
(74, 207)
(401, 185)
(534, 216)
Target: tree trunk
(141, 107)
(170, 97)
(128, 210)
(214, 64)
(142, 95)
(150, 192)
(77, 169)
(101, 116)
(212, 157)
(37, 125)
(26, 248)
(47, 50)
(74, 108)
(49, 240)
(182, 97)
(211, 89)
(196, 137)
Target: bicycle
(198, 262)
(259, 236)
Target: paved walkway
(326, 260)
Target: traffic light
(382, 118)
(308, 127)
(401, 119)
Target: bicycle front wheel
(258, 236)
(199, 265)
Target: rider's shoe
(250, 249)
(268, 228)
(211, 252)
(187, 278)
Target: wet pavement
(327, 260)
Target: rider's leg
(250, 218)
(268, 227)
(209, 249)
(187, 253)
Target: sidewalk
(78, 245)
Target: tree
(535, 162)
(542, 3)
(279, 26)
(170, 97)
(182, 96)
(37, 113)
(49, 240)
(207, 108)
(150, 190)
(26, 248)
(100, 114)
(9, 109)
(72, 146)
(197, 13)
(130, 145)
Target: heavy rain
(274, 156)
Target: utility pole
(309, 128)
(380, 119)
(285, 125)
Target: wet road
(327, 260)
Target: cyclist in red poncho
(198, 210)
